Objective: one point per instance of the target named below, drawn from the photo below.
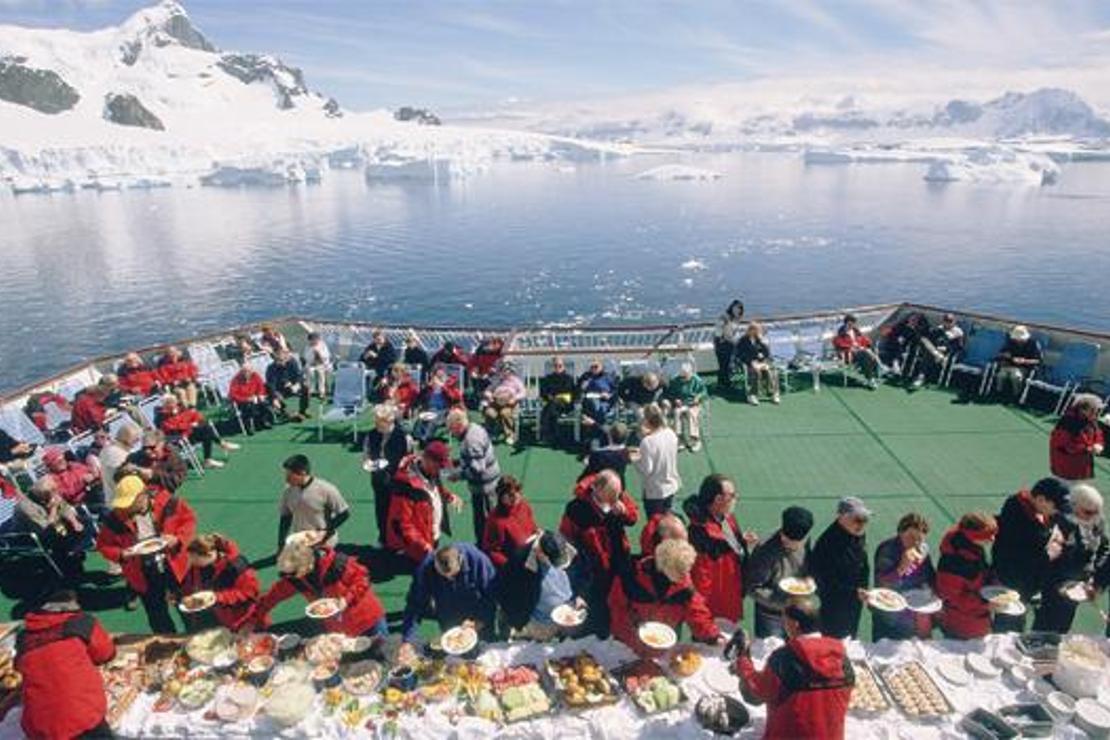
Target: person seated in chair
(440, 394)
(683, 398)
(272, 341)
(76, 482)
(483, 363)
(414, 353)
(379, 357)
(399, 388)
(316, 364)
(450, 354)
(14, 453)
(94, 406)
(156, 462)
(854, 348)
(899, 343)
(190, 425)
(557, 393)
(44, 513)
(753, 352)
(936, 348)
(179, 376)
(638, 391)
(247, 391)
(598, 390)
(1019, 359)
(284, 380)
(136, 378)
(500, 401)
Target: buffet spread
(216, 684)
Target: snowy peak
(1048, 111)
(161, 25)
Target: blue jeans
(380, 629)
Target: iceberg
(995, 165)
(678, 172)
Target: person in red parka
(510, 526)
(179, 374)
(57, 653)
(854, 348)
(247, 391)
(659, 589)
(418, 504)
(595, 522)
(136, 378)
(140, 512)
(321, 572)
(178, 422)
(664, 525)
(1077, 439)
(75, 481)
(399, 388)
(807, 683)
(961, 572)
(721, 546)
(216, 565)
(90, 408)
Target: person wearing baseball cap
(785, 554)
(1018, 359)
(140, 512)
(841, 568)
(418, 503)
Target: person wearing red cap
(418, 503)
(961, 572)
(75, 481)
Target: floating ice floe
(678, 172)
(694, 265)
(995, 165)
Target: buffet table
(622, 720)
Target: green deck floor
(899, 451)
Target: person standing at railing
(729, 329)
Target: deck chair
(348, 399)
(208, 362)
(259, 362)
(978, 357)
(16, 423)
(529, 408)
(815, 354)
(1063, 378)
(670, 368)
(784, 353)
(148, 409)
(221, 384)
(21, 545)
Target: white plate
(981, 666)
(323, 608)
(458, 640)
(923, 601)
(952, 672)
(718, 678)
(660, 636)
(372, 466)
(1060, 704)
(151, 546)
(1076, 591)
(310, 537)
(427, 416)
(1092, 716)
(566, 615)
(1003, 600)
(798, 586)
(1020, 675)
(197, 602)
(896, 602)
(1040, 687)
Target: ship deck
(899, 451)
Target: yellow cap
(127, 490)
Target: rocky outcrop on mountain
(177, 26)
(41, 89)
(418, 115)
(126, 110)
(288, 82)
(332, 109)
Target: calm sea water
(527, 243)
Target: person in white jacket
(657, 461)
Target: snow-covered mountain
(154, 101)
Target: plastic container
(1031, 720)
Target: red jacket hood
(38, 621)
(824, 655)
(957, 543)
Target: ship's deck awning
(899, 451)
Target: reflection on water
(95, 272)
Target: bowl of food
(325, 676)
(197, 601)
(459, 640)
(685, 661)
(290, 703)
(657, 636)
(568, 616)
(1080, 667)
(1061, 705)
(1020, 675)
(362, 678)
(403, 678)
(1003, 600)
(259, 668)
(325, 608)
(795, 586)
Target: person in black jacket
(934, 350)
(1029, 541)
(613, 456)
(383, 449)
(1085, 552)
(753, 352)
(379, 356)
(533, 583)
(1019, 359)
(900, 343)
(557, 392)
(637, 391)
(840, 567)
(285, 379)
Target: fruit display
(520, 693)
(915, 692)
(685, 661)
(471, 678)
(649, 688)
(581, 681)
(867, 697)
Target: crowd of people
(695, 564)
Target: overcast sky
(459, 55)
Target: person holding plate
(785, 554)
(902, 563)
(962, 572)
(1085, 548)
(322, 573)
(535, 583)
(215, 565)
(839, 565)
(455, 585)
(385, 446)
(139, 513)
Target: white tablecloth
(621, 720)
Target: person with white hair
(658, 588)
(684, 397)
(500, 401)
(115, 454)
(477, 466)
(1018, 360)
(316, 362)
(1085, 550)
(657, 462)
(754, 354)
(382, 451)
(414, 353)
(1077, 439)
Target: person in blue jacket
(454, 585)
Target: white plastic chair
(348, 399)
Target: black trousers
(653, 506)
(726, 357)
(255, 416)
(296, 389)
(206, 435)
(159, 583)
(840, 616)
(379, 481)
(549, 419)
(1056, 612)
